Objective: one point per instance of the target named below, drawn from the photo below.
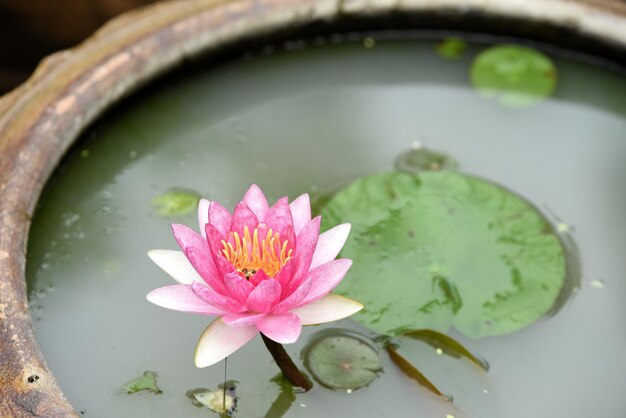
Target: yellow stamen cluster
(249, 254)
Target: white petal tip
(328, 309)
(219, 341)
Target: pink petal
(180, 297)
(279, 216)
(215, 238)
(187, 237)
(219, 341)
(220, 218)
(330, 244)
(309, 233)
(202, 262)
(243, 217)
(327, 309)
(176, 265)
(264, 296)
(289, 235)
(300, 212)
(258, 277)
(256, 201)
(285, 274)
(245, 319)
(300, 269)
(325, 278)
(283, 328)
(203, 215)
(220, 301)
(238, 287)
(295, 298)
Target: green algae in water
(514, 75)
(442, 249)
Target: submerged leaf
(424, 159)
(411, 371)
(147, 382)
(441, 249)
(341, 359)
(176, 202)
(451, 48)
(223, 400)
(463, 383)
(285, 398)
(446, 344)
(514, 75)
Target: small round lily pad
(451, 48)
(342, 360)
(424, 159)
(176, 202)
(514, 75)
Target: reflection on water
(313, 120)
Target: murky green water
(310, 120)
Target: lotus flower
(259, 269)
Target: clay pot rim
(41, 119)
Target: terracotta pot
(41, 119)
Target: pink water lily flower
(259, 269)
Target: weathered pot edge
(41, 119)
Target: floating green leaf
(176, 202)
(424, 159)
(441, 249)
(341, 359)
(147, 382)
(451, 48)
(514, 75)
(446, 344)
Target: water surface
(310, 120)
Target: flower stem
(287, 366)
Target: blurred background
(32, 29)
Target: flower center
(249, 254)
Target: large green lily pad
(442, 249)
(514, 75)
